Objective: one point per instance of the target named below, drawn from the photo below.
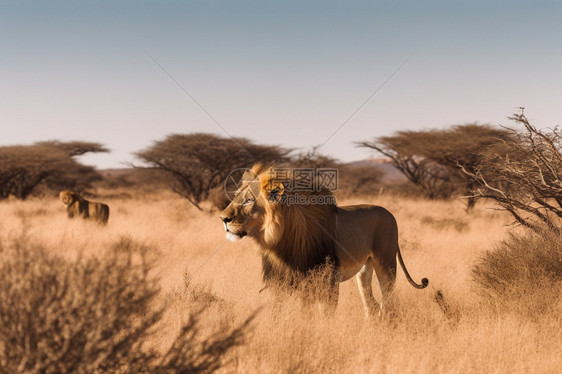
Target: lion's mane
(298, 237)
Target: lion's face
(245, 213)
(67, 197)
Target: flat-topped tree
(23, 168)
(431, 158)
(200, 162)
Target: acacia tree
(527, 180)
(466, 145)
(313, 159)
(25, 167)
(201, 162)
(405, 151)
(430, 158)
(79, 177)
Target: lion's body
(296, 239)
(77, 206)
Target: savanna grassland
(194, 270)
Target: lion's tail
(424, 281)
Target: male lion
(77, 206)
(301, 231)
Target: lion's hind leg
(386, 275)
(103, 214)
(365, 283)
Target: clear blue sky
(277, 72)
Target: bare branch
(527, 179)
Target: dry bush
(92, 315)
(523, 274)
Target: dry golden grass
(196, 268)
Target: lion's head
(68, 197)
(295, 228)
(244, 215)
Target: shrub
(91, 315)
(524, 274)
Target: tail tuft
(424, 281)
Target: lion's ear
(274, 191)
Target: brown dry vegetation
(467, 330)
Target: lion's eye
(248, 202)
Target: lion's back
(98, 211)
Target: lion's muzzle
(230, 235)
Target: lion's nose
(226, 219)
